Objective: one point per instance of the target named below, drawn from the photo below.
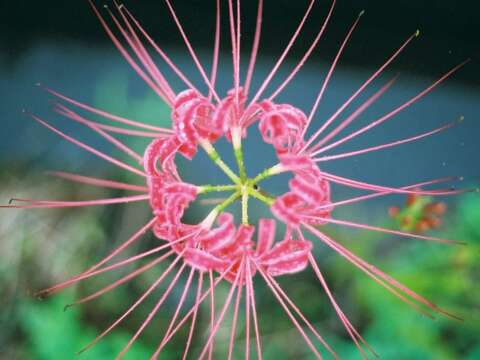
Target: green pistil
(274, 170)
(263, 198)
(215, 156)
(221, 207)
(243, 187)
(245, 194)
(204, 189)
(237, 150)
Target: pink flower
(228, 250)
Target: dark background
(449, 29)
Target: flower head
(228, 250)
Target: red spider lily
(218, 247)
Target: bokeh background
(60, 44)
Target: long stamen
(360, 90)
(194, 318)
(88, 148)
(154, 311)
(98, 182)
(370, 270)
(289, 314)
(385, 230)
(330, 72)
(216, 49)
(119, 282)
(212, 312)
(180, 303)
(62, 110)
(387, 145)
(192, 52)
(228, 300)
(233, 325)
(284, 54)
(306, 55)
(254, 311)
(192, 310)
(352, 116)
(371, 187)
(235, 44)
(162, 54)
(396, 110)
(134, 306)
(255, 46)
(48, 204)
(107, 114)
(143, 55)
(384, 193)
(352, 332)
(128, 58)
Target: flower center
(199, 123)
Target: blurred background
(61, 45)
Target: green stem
(245, 207)
(237, 150)
(204, 189)
(274, 170)
(215, 157)
(221, 207)
(263, 198)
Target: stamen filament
(271, 171)
(204, 189)
(263, 198)
(215, 157)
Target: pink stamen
(354, 96)
(160, 302)
(255, 46)
(233, 326)
(387, 231)
(289, 314)
(135, 305)
(352, 117)
(387, 145)
(396, 110)
(88, 274)
(282, 57)
(62, 110)
(372, 187)
(98, 182)
(306, 55)
(194, 318)
(128, 58)
(212, 313)
(378, 194)
(228, 300)
(213, 74)
(192, 52)
(88, 148)
(369, 268)
(119, 282)
(125, 245)
(140, 51)
(192, 310)
(108, 115)
(300, 314)
(254, 311)
(48, 204)
(330, 72)
(162, 54)
(352, 332)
